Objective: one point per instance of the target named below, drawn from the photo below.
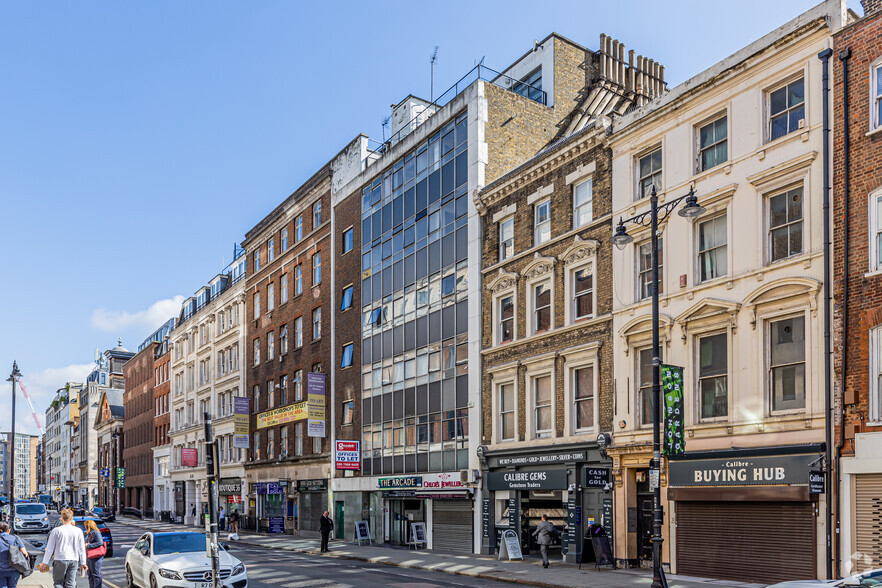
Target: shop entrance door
(644, 527)
(338, 520)
(401, 514)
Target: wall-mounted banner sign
(596, 477)
(189, 457)
(347, 455)
(268, 488)
(543, 480)
(672, 393)
(817, 481)
(541, 459)
(424, 482)
(315, 394)
(241, 422)
(120, 477)
(227, 486)
(402, 482)
(285, 414)
(742, 471)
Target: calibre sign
(746, 471)
(541, 480)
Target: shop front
(229, 491)
(747, 515)
(440, 501)
(570, 486)
(270, 500)
(311, 504)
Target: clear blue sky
(140, 140)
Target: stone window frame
(270, 297)
(875, 98)
(874, 207)
(536, 224)
(782, 82)
(766, 334)
(583, 173)
(538, 271)
(500, 377)
(501, 286)
(538, 367)
(583, 356)
(638, 179)
(696, 132)
(581, 254)
(875, 375)
(636, 336)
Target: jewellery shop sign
(741, 471)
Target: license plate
(202, 584)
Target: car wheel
(130, 581)
(152, 581)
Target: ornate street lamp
(690, 211)
(15, 375)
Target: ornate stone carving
(579, 250)
(538, 267)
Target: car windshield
(178, 543)
(30, 509)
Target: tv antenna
(384, 123)
(432, 61)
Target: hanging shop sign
(540, 480)
(817, 480)
(347, 455)
(672, 392)
(741, 471)
(241, 422)
(286, 414)
(316, 399)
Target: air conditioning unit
(469, 477)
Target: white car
(176, 559)
(30, 516)
(870, 578)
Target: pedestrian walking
(234, 522)
(9, 576)
(327, 525)
(95, 552)
(545, 534)
(67, 551)
(222, 518)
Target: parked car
(870, 578)
(105, 514)
(160, 560)
(102, 528)
(30, 516)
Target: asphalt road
(270, 567)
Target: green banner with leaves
(672, 393)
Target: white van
(30, 516)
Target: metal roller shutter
(452, 525)
(868, 520)
(763, 542)
(312, 507)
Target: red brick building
(857, 267)
(137, 440)
(161, 389)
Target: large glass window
(506, 412)
(583, 206)
(583, 398)
(298, 332)
(876, 232)
(583, 292)
(316, 269)
(649, 173)
(644, 379)
(348, 240)
(284, 284)
(787, 363)
(712, 249)
(506, 319)
(256, 305)
(644, 269)
(298, 228)
(785, 224)
(530, 86)
(270, 345)
(270, 296)
(876, 374)
(347, 298)
(506, 239)
(284, 238)
(283, 339)
(786, 108)
(270, 250)
(713, 144)
(876, 97)
(298, 279)
(541, 307)
(713, 380)
(316, 214)
(316, 323)
(542, 416)
(542, 222)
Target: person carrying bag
(14, 562)
(96, 549)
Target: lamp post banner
(241, 422)
(672, 389)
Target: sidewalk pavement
(529, 572)
(44, 580)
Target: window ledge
(873, 273)
(874, 132)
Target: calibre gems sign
(315, 391)
(241, 422)
(672, 392)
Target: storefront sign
(234, 499)
(228, 486)
(816, 482)
(362, 532)
(607, 516)
(485, 517)
(267, 488)
(510, 546)
(277, 525)
(543, 480)
(741, 471)
(402, 482)
(419, 534)
(347, 455)
(672, 401)
(189, 457)
(427, 495)
(241, 422)
(285, 414)
(542, 459)
(596, 477)
(315, 394)
(317, 485)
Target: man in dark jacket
(327, 525)
(545, 534)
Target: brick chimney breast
(871, 6)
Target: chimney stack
(871, 6)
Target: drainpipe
(843, 57)
(824, 56)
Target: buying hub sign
(746, 471)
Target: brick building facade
(137, 451)
(857, 273)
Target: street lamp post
(113, 475)
(12, 378)
(620, 239)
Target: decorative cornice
(539, 266)
(781, 289)
(579, 250)
(706, 309)
(782, 169)
(502, 281)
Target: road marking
(109, 583)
